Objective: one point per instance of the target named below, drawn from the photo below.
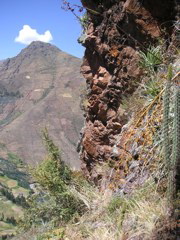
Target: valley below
(39, 88)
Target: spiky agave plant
(151, 59)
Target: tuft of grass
(120, 217)
(152, 87)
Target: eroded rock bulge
(116, 33)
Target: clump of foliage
(81, 15)
(52, 173)
(152, 59)
(55, 202)
(84, 21)
(152, 88)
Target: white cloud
(28, 34)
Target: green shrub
(54, 201)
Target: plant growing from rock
(151, 59)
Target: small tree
(55, 202)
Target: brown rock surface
(117, 31)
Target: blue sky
(42, 16)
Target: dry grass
(144, 217)
(113, 217)
(120, 218)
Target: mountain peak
(40, 87)
(40, 44)
(40, 47)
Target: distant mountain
(40, 87)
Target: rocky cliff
(116, 32)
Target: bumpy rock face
(117, 31)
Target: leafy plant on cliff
(84, 21)
(151, 59)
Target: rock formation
(116, 32)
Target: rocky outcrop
(116, 32)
